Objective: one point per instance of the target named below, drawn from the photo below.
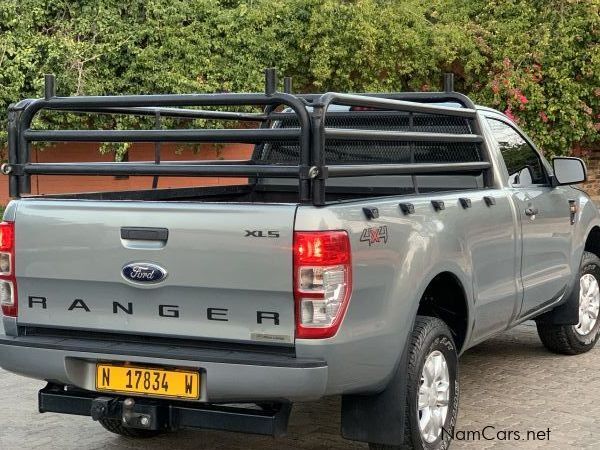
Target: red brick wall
(591, 156)
(88, 152)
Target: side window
(523, 163)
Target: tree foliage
(538, 60)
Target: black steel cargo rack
(309, 110)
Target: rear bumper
(227, 375)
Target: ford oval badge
(144, 273)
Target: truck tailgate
(227, 277)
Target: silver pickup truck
(375, 238)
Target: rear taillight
(322, 282)
(8, 285)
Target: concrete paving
(510, 385)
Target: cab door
(546, 229)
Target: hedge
(537, 60)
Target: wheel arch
(367, 418)
(567, 313)
(592, 241)
(446, 298)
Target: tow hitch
(132, 415)
(153, 414)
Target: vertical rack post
(270, 81)
(157, 145)
(287, 85)
(49, 86)
(411, 125)
(13, 180)
(318, 154)
(304, 184)
(448, 82)
(23, 152)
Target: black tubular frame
(310, 111)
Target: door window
(522, 161)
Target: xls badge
(375, 235)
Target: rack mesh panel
(383, 152)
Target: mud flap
(378, 418)
(566, 313)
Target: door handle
(531, 211)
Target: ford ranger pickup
(368, 242)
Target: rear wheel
(115, 426)
(580, 338)
(432, 397)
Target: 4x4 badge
(375, 235)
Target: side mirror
(569, 170)
(522, 178)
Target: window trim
(505, 120)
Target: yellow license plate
(147, 381)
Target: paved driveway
(509, 384)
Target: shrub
(538, 60)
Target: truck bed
(268, 191)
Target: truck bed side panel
(390, 275)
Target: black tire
(115, 426)
(564, 339)
(429, 335)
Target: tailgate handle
(144, 234)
